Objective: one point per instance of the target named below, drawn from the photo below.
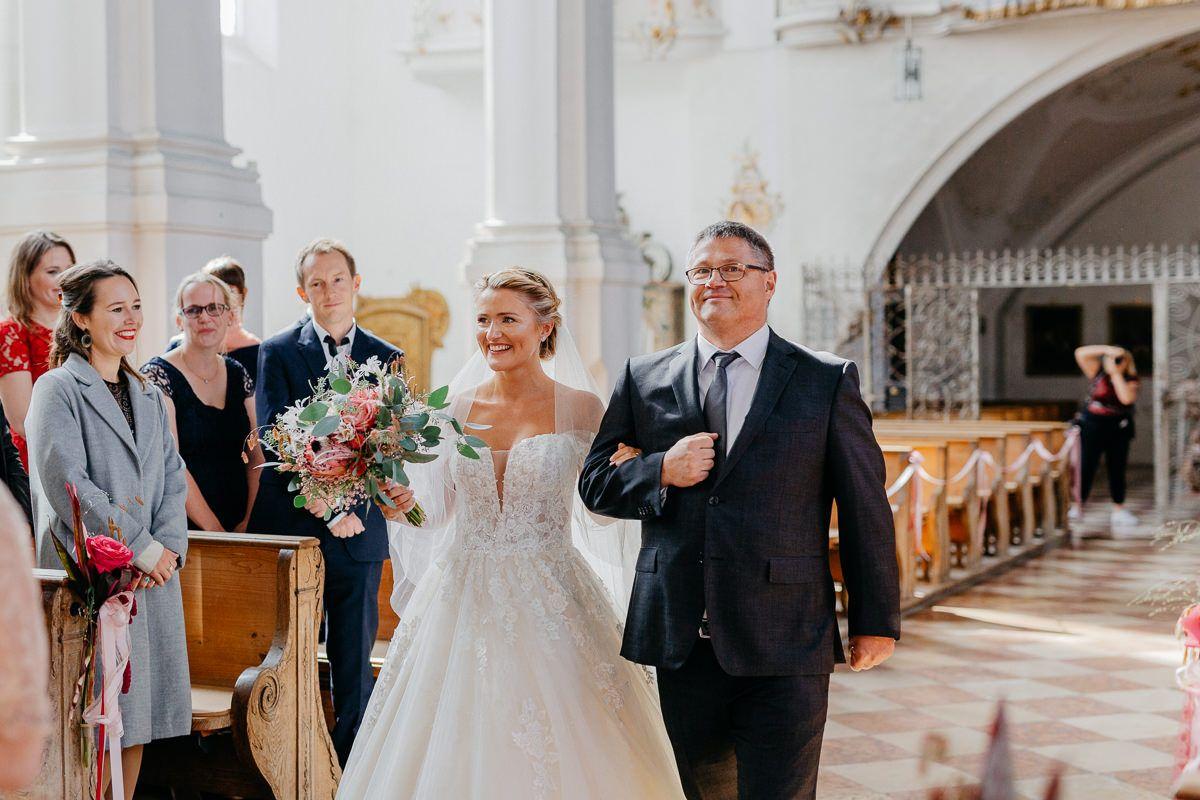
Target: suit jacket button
(714, 500)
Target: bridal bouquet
(102, 578)
(356, 432)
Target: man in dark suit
(743, 441)
(12, 471)
(354, 544)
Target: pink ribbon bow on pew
(112, 627)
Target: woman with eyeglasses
(210, 404)
(240, 344)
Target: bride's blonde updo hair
(538, 294)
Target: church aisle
(1089, 681)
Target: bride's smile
(507, 330)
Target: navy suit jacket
(289, 363)
(751, 544)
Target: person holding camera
(1106, 422)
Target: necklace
(196, 372)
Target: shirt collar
(752, 349)
(322, 333)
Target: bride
(503, 679)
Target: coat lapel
(145, 418)
(97, 395)
(777, 369)
(687, 390)
(312, 350)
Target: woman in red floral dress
(33, 306)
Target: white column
(119, 145)
(551, 201)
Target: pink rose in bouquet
(329, 460)
(108, 554)
(362, 408)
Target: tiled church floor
(1089, 681)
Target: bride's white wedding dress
(504, 679)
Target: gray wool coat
(77, 434)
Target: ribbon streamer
(112, 627)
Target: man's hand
(347, 526)
(689, 460)
(317, 508)
(870, 651)
(402, 496)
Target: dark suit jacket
(289, 363)
(751, 543)
(12, 471)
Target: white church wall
(351, 142)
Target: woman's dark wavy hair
(78, 287)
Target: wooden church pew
(251, 607)
(62, 774)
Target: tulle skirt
(504, 680)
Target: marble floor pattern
(1088, 679)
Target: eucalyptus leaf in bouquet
(356, 433)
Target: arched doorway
(1058, 200)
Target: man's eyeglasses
(212, 309)
(731, 272)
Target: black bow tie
(332, 346)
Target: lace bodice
(539, 488)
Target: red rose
(362, 407)
(330, 460)
(107, 554)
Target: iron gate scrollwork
(1180, 412)
(914, 329)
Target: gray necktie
(716, 405)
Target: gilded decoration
(659, 29)
(750, 202)
(416, 323)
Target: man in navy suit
(355, 543)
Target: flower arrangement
(356, 433)
(102, 578)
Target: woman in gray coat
(94, 423)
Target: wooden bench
(980, 516)
(62, 774)
(896, 460)
(1050, 481)
(933, 528)
(965, 500)
(251, 608)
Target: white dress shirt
(343, 350)
(742, 374)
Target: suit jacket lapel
(777, 369)
(312, 350)
(97, 395)
(362, 347)
(687, 390)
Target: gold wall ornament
(750, 202)
(861, 22)
(416, 323)
(987, 11)
(657, 31)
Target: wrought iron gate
(915, 330)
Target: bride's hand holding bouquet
(350, 441)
